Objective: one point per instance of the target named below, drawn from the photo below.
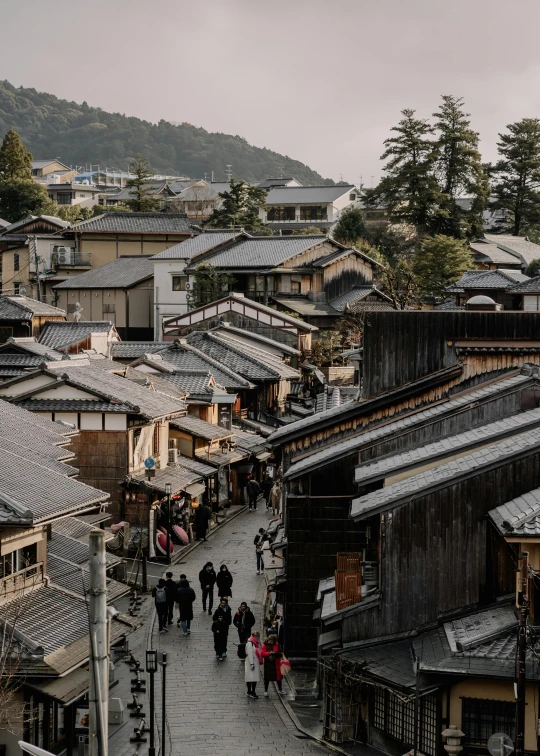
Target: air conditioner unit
(64, 255)
(173, 456)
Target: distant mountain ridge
(79, 134)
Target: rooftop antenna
(228, 172)
(205, 175)
(341, 177)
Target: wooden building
(21, 316)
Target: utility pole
(99, 648)
(522, 654)
(32, 241)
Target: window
(281, 214)
(109, 308)
(16, 287)
(16, 261)
(352, 196)
(179, 283)
(64, 198)
(482, 717)
(314, 212)
(395, 717)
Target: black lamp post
(168, 490)
(163, 661)
(151, 668)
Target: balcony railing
(20, 581)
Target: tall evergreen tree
(20, 198)
(459, 171)
(439, 262)
(517, 174)
(350, 227)
(208, 285)
(239, 208)
(15, 160)
(142, 199)
(409, 189)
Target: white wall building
(291, 207)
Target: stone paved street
(208, 711)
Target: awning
(261, 456)
(66, 690)
(330, 638)
(195, 489)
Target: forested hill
(79, 134)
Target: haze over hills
(80, 134)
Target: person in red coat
(272, 654)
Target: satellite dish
(500, 744)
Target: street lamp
(151, 668)
(162, 659)
(168, 490)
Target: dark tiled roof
(355, 295)
(136, 223)
(131, 350)
(187, 357)
(265, 251)
(29, 345)
(178, 476)
(122, 273)
(197, 245)
(72, 578)
(37, 307)
(518, 245)
(519, 516)
(487, 279)
(494, 254)
(10, 310)
(532, 286)
(228, 329)
(285, 195)
(31, 452)
(59, 335)
(449, 304)
(20, 360)
(307, 307)
(73, 405)
(392, 662)
(17, 424)
(200, 428)
(191, 382)
(73, 550)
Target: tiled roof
(307, 307)
(136, 223)
(17, 424)
(4, 224)
(194, 465)
(37, 307)
(253, 364)
(449, 304)
(191, 382)
(200, 428)
(355, 295)
(493, 253)
(307, 194)
(70, 577)
(31, 218)
(122, 273)
(385, 430)
(32, 452)
(59, 335)
(74, 550)
(228, 329)
(445, 474)
(532, 285)
(264, 251)
(519, 516)
(392, 465)
(32, 346)
(178, 476)
(518, 245)
(131, 350)
(184, 356)
(20, 360)
(487, 279)
(76, 528)
(392, 662)
(197, 245)
(72, 405)
(10, 310)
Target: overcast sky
(320, 80)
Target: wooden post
(522, 654)
(99, 648)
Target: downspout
(126, 292)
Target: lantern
(453, 740)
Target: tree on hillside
(15, 160)
(409, 190)
(350, 227)
(20, 198)
(517, 174)
(142, 198)
(239, 208)
(208, 285)
(459, 171)
(440, 261)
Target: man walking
(220, 628)
(207, 579)
(160, 600)
(170, 587)
(185, 596)
(243, 622)
(266, 489)
(259, 540)
(253, 490)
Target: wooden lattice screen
(348, 560)
(348, 588)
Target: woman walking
(224, 582)
(271, 653)
(253, 663)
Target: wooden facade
(102, 458)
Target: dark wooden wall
(402, 346)
(102, 459)
(439, 556)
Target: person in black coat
(221, 632)
(202, 520)
(207, 579)
(223, 610)
(243, 622)
(185, 596)
(170, 587)
(266, 488)
(253, 490)
(224, 582)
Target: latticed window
(482, 717)
(395, 717)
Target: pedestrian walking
(160, 600)
(266, 489)
(170, 587)
(224, 582)
(223, 610)
(202, 520)
(272, 654)
(243, 621)
(207, 579)
(253, 663)
(185, 596)
(275, 498)
(253, 490)
(220, 630)
(258, 541)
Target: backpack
(161, 596)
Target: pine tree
(208, 285)
(15, 160)
(350, 227)
(239, 208)
(142, 199)
(459, 171)
(439, 262)
(409, 190)
(517, 186)
(20, 198)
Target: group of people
(268, 655)
(269, 488)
